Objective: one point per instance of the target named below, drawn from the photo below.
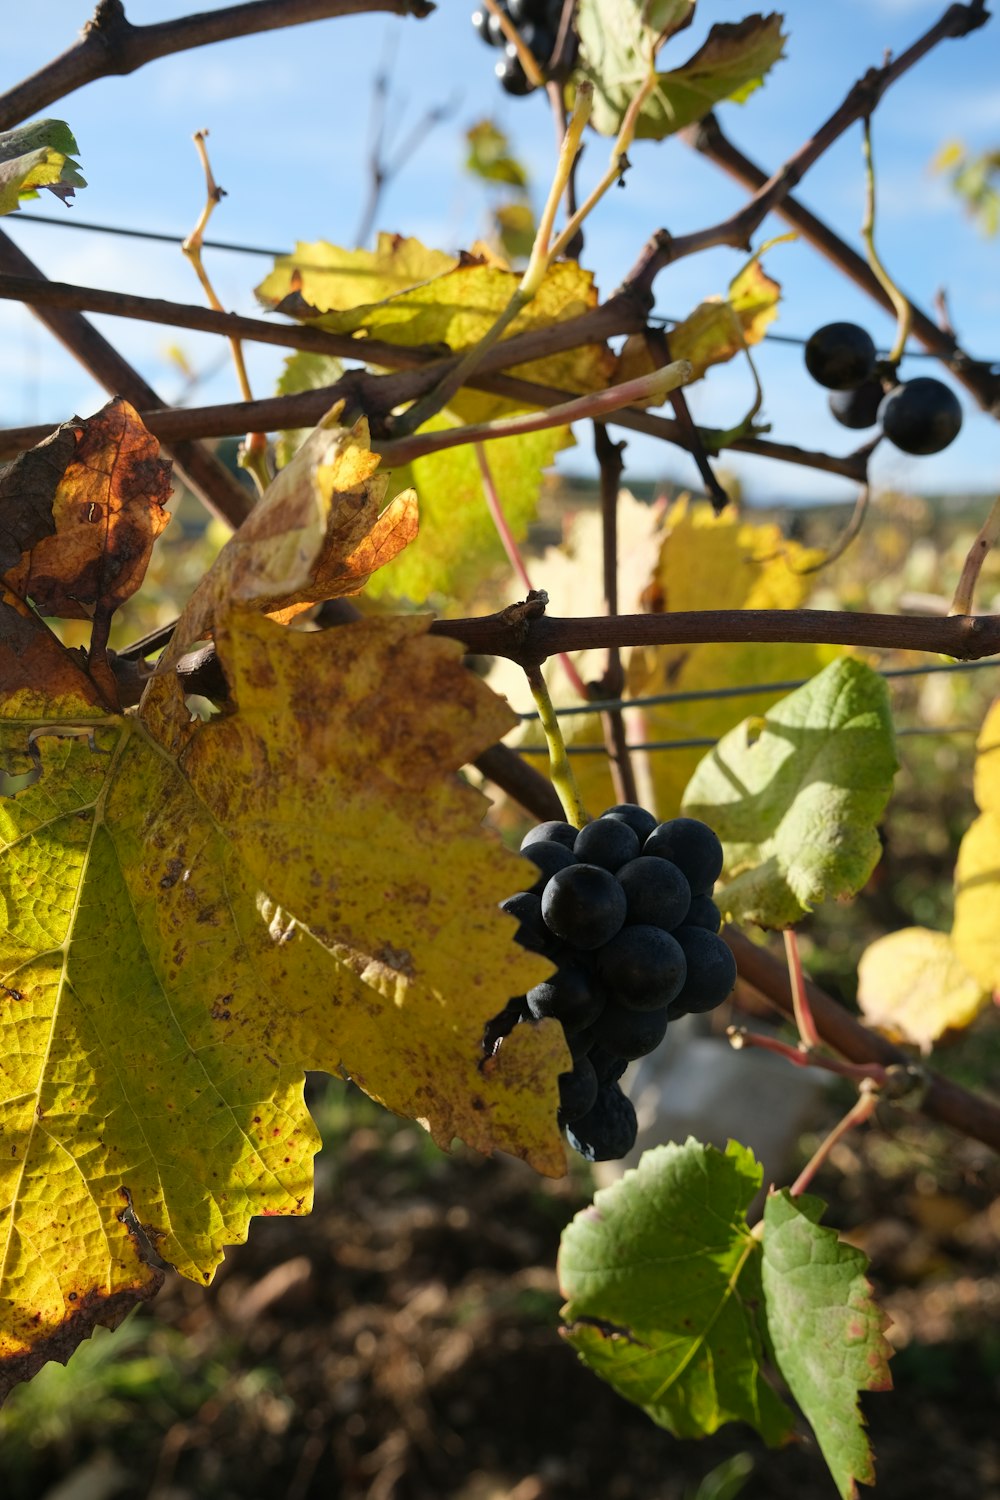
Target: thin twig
(901, 304)
(803, 1057)
(737, 230)
(808, 1035)
(989, 534)
(559, 767)
(609, 458)
(111, 46)
(976, 376)
(862, 1109)
(658, 345)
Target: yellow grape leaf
(458, 541)
(452, 301)
(319, 532)
(88, 505)
(719, 327)
(197, 913)
(975, 931)
(912, 985)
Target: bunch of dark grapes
(537, 21)
(917, 416)
(624, 908)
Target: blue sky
(288, 114)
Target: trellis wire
(161, 237)
(700, 695)
(704, 743)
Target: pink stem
(808, 1034)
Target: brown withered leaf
(107, 509)
(27, 490)
(316, 534)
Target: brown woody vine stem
(663, 249)
(965, 637)
(111, 46)
(975, 375)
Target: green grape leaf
(796, 796)
(515, 228)
(303, 371)
(458, 541)
(36, 156)
(662, 1284)
(975, 935)
(489, 156)
(912, 985)
(826, 1331)
(617, 45)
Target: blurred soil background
(402, 1342)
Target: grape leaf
(826, 1331)
(303, 372)
(489, 156)
(196, 912)
(662, 1281)
(975, 935)
(458, 541)
(35, 156)
(95, 494)
(617, 46)
(912, 985)
(795, 796)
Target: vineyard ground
(401, 1344)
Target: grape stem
(862, 1109)
(253, 454)
(904, 312)
(989, 533)
(809, 1037)
(804, 1057)
(495, 507)
(524, 54)
(559, 767)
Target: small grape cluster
(537, 22)
(919, 416)
(624, 908)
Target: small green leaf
(826, 1331)
(489, 156)
(39, 155)
(662, 1280)
(616, 46)
(796, 796)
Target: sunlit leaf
(912, 985)
(796, 795)
(826, 1331)
(490, 156)
(36, 156)
(662, 1285)
(303, 371)
(975, 933)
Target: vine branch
(110, 46)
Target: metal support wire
(701, 695)
(708, 744)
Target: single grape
(840, 356)
(921, 416)
(608, 1130)
(636, 817)
(711, 971)
(521, 11)
(630, 1033)
(858, 407)
(642, 967)
(539, 41)
(554, 831)
(584, 905)
(606, 842)
(532, 932)
(495, 32)
(548, 857)
(511, 75)
(691, 845)
(578, 1091)
(657, 892)
(501, 1025)
(704, 913)
(481, 25)
(608, 1066)
(570, 996)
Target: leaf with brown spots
(198, 912)
(106, 511)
